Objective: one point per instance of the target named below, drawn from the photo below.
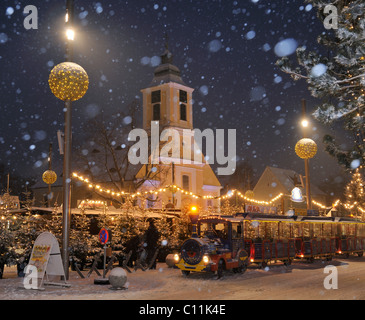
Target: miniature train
(233, 242)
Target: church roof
(166, 72)
(286, 178)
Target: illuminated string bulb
(306, 148)
(68, 81)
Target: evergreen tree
(337, 78)
(354, 193)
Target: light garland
(337, 203)
(174, 189)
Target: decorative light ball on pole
(68, 81)
(306, 149)
(49, 177)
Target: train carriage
(233, 242)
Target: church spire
(167, 57)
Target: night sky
(224, 49)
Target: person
(152, 237)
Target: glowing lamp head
(193, 209)
(296, 195)
(70, 34)
(305, 123)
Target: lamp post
(68, 82)
(306, 149)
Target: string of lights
(230, 194)
(171, 188)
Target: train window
(317, 230)
(352, 230)
(327, 229)
(251, 230)
(213, 229)
(274, 229)
(306, 230)
(236, 230)
(362, 230)
(268, 230)
(285, 230)
(297, 230)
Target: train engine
(216, 245)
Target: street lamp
(306, 149)
(68, 82)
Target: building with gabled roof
(274, 181)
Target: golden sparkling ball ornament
(249, 194)
(306, 148)
(68, 81)
(49, 177)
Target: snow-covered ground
(298, 281)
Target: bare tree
(104, 154)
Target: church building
(167, 105)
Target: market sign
(45, 261)
(260, 209)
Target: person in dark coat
(152, 237)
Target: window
(186, 183)
(236, 230)
(183, 96)
(214, 229)
(156, 96)
(183, 116)
(156, 112)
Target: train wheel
(241, 269)
(185, 273)
(287, 262)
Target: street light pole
(306, 161)
(66, 211)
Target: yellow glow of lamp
(49, 177)
(306, 148)
(68, 81)
(194, 209)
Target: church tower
(167, 101)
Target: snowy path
(298, 281)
